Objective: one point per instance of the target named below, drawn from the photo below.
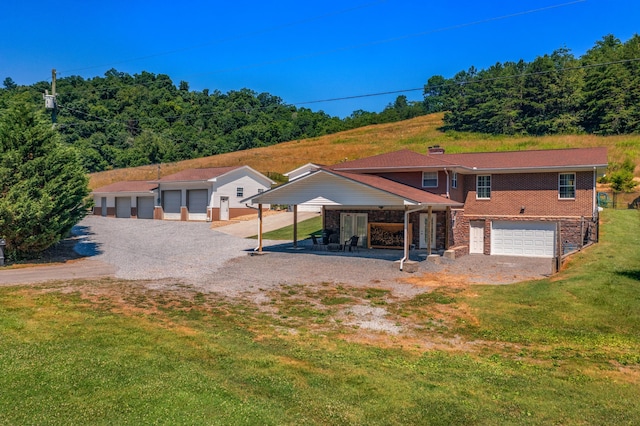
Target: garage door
(123, 207)
(145, 207)
(535, 239)
(197, 200)
(171, 201)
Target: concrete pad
(249, 228)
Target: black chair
(352, 243)
(316, 245)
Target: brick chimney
(435, 149)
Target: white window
(483, 187)
(239, 191)
(454, 180)
(567, 185)
(430, 179)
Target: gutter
(446, 172)
(406, 234)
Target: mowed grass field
(416, 134)
(564, 350)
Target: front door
(353, 224)
(224, 208)
(476, 237)
(424, 224)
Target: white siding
(332, 190)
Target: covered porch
(379, 213)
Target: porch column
(260, 228)
(447, 224)
(295, 226)
(429, 228)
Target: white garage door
(123, 207)
(535, 239)
(145, 207)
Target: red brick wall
(414, 179)
(332, 221)
(537, 192)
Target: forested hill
(598, 93)
(123, 120)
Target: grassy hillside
(415, 134)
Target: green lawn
(565, 350)
(305, 229)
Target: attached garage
(171, 202)
(523, 238)
(123, 207)
(145, 207)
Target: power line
(236, 37)
(345, 48)
(389, 40)
(366, 95)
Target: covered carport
(351, 192)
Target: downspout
(446, 172)
(406, 234)
(595, 191)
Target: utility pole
(50, 99)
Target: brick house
(526, 203)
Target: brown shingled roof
(198, 174)
(399, 189)
(404, 159)
(129, 186)
(551, 158)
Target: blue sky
(301, 51)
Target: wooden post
(429, 228)
(295, 226)
(447, 225)
(260, 228)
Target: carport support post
(429, 230)
(295, 226)
(260, 228)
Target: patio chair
(316, 244)
(352, 243)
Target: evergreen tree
(42, 183)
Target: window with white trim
(454, 180)
(567, 185)
(429, 179)
(483, 187)
(239, 191)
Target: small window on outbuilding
(239, 191)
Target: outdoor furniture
(316, 244)
(352, 243)
(334, 244)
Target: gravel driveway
(213, 261)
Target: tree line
(598, 93)
(122, 120)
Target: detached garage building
(128, 199)
(210, 194)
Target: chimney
(436, 149)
